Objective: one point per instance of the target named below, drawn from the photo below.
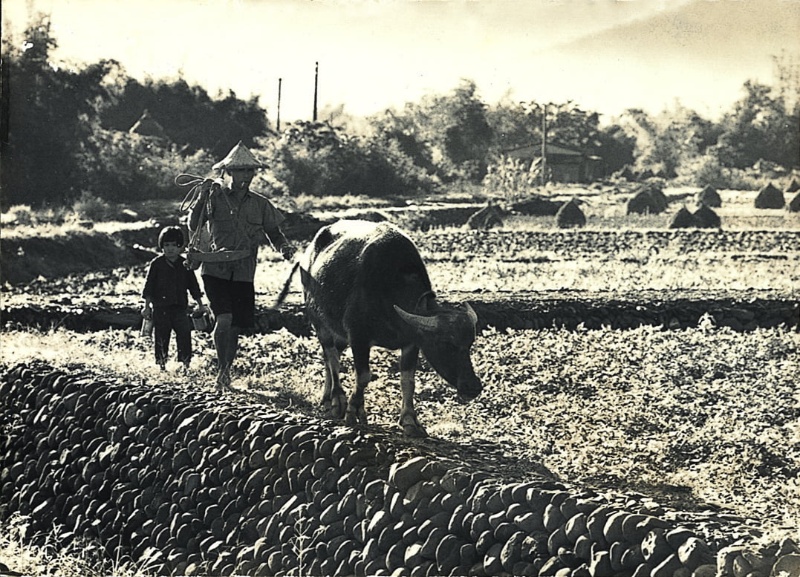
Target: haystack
(770, 197)
(649, 200)
(794, 204)
(645, 174)
(625, 172)
(706, 218)
(682, 219)
(535, 206)
(485, 218)
(370, 215)
(793, 186)
(709, 197)
(570, 215)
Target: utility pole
(316, 81)
(278, 124)
(544, 144)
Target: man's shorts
(232, 297)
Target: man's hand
(210, 184)
(147, 312)
(190, 263)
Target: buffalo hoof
(355, 416)
(414, 431)
(337, 407)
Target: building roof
(147, 126)
(535, 150)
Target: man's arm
(281, 243)
(272, 219)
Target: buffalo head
(445, 338)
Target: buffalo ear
(419, 322)
(305, 277)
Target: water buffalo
(365, 285)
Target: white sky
(372, 54)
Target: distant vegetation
(67, 137)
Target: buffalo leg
(333, 397)
(408, 415)
(356, 413)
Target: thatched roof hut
(706, 218)
(770, 197)
(147, 126)
(570, 215)
(793, 186)
(709, 197)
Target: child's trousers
(165, 321)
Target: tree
(450, 133)
(48, 110)
(319, 159)
(512, 126)
(669, 140)
(616, 148)
(190, 117)
(760, 127)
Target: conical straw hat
(239, 157)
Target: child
(165, 300)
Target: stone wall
(198, 486)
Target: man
(237, 220)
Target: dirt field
(635, 361)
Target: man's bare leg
(226, 342)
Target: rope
(191, 197)
(190, 201)
(285, 290)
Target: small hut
(793, 186)
(148, 126)
(709, 197)
(770, 197)
(705, 217)
(570, 215)
(682, 219)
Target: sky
(375, 54)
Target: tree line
(66, 134)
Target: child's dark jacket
(166, 283)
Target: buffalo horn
(417, 321)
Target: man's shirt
(238, 220)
